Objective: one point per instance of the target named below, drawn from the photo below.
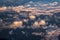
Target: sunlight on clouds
(17, 24)
(42, 22)
(32, 17)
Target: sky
(23, 2)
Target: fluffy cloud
(54, 3)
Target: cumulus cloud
(54, 3)
(50, 4)
(39, 6)
(45, 5)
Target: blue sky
(22, 2)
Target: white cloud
(54, 3)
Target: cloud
(50, 4)
(44, 5)
(37, 5)
(54, 3)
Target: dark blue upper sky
(22, 2)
